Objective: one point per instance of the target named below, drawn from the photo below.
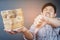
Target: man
(43, 26)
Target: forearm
(54, 22)
(28, 35)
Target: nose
(47, 14)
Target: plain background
(31, 8)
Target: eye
(45, 9)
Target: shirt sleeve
(32, 28)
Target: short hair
(49, 4)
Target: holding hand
(16, 31)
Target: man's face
(49, 11)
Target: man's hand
(15, 31)
(10, 32)
(39, 23)
(39, 20)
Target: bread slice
(12, 19)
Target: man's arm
(55, 22)
(28, 35)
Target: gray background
(31, 9)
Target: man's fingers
(10, 32)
